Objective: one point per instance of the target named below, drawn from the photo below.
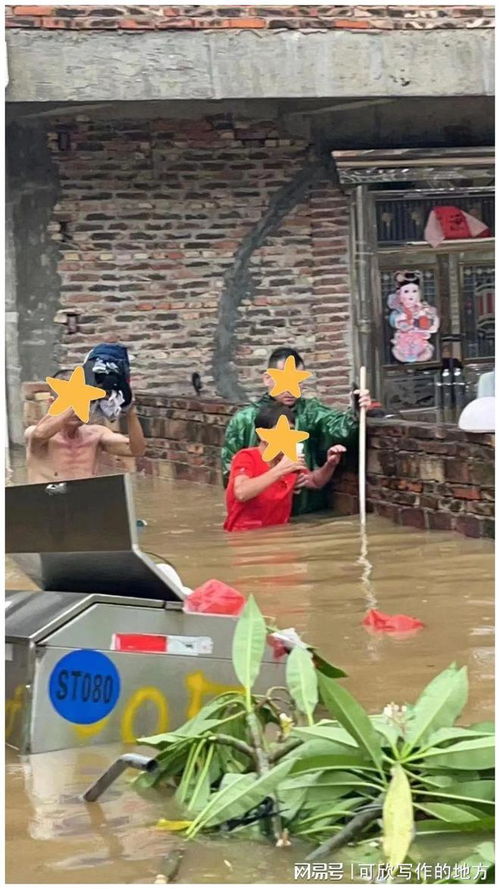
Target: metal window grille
(478, 289)
(403, 220)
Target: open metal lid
(81, 537)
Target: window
(403, 220)
(478, 289)
(444, 306)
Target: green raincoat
(326, 427)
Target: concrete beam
(48, 66)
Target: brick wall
(36, 398)
(185, 436)
(431, 477)
(366, 18)
(422, 476)
(151, 220)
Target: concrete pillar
(12, 360)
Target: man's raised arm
(131, 445)
(334, 426)
(48, 426)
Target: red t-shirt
(272, 507)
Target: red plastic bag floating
(391, 623)
(214, 597)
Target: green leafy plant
(248, 759)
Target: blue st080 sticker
(84, 686)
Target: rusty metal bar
(127, 761)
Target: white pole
(362, 453)
(371, 600)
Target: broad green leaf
(453, 733)
(325, 793)
(233, 790)
(439, 705)
(488, 728)
(317, 811)
(303, 790)
(302, 681)
(397, 818)
(229, 778)
(466, 791)
(196, 758)
(236, 798)
(486, 852)
(339, 779)
(485, 825)
(351, 715)
(436, 778)
(160, 741)
(171, 761)
(212, 714)
(322, 763)
(145, 780)
(388, 730)
(200, 793)
(292, 793)
(203, 721)
(328, 669)
(323, 747)
(164, 824)
(445, 812)
(476, 754)
(326, 731)
(249, 643)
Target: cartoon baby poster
(412, 318)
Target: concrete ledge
(66, 66)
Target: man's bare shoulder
(94, 431)
(30, 439)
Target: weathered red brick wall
(185, 436)
(432, 477)
(150, 219)
(422, 476)
(366, 18)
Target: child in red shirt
(260, 494)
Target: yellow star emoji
(74, 393)
(281, 440)
(288, 379)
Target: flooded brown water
(306, 575)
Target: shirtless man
(63, 448)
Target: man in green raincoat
(326, 427)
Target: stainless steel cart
(104, 651)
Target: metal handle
(126, 761)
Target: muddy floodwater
(308, 576)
